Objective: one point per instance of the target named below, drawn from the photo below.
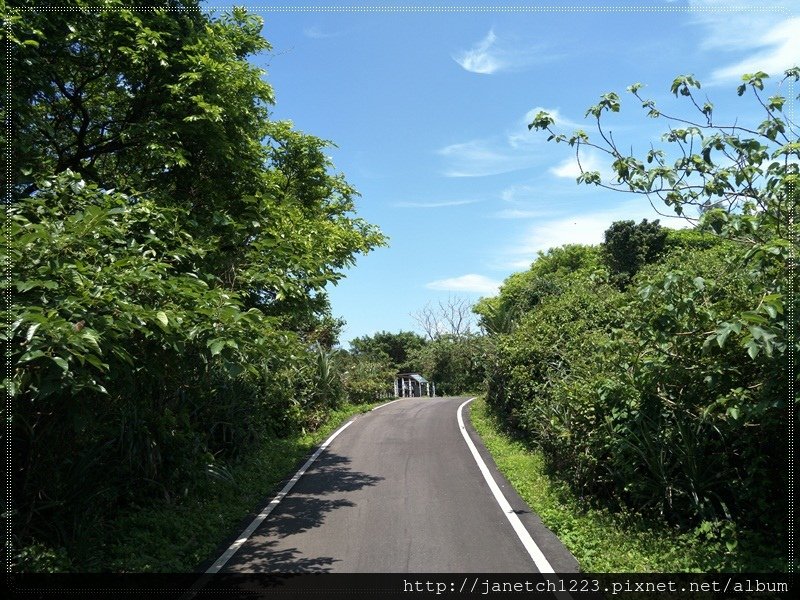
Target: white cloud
(522, 140)
(513, 150)
(517, 193)
(516, 149)
(520, 213)
(492, 54)
(480, 59)
(318, 34)
(781, 50)
(466, 283)
(535, 200)
(579, 228)
(434, 204)
(491, 156)
(568, 168)
(541, 198)
(768, 37)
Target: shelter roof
(415, 376)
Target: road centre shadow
(330, 474)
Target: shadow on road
(330, 474)
(265, 558)
(304, 508)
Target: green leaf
(542, 120)
(752, 317)
(633, 88)
(722, 336)
(216, 346)
(24, 286)
(31, 330)
(32, 355)
(96, 362)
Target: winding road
(400, 490)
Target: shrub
(366, 379)
(637, 401)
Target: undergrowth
(176, 536)
(605, 541)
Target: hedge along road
(399, 489)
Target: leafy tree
(171, 246)
(671, 395)
(367, 378)
(454, 363)
(396, 347)
(742, 181)
(629, 246)
(495, 316)
(521, 292)
(163, 104)
(749, 173)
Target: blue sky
(429, 111)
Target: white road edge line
(533, 550)
(245, 535)
(387, 404)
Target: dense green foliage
(170, 246)
(616, 541)
(453, 363)
(628, 402)
(396, 348)
(652, 371)
(367, 378)
(177, 535)
(628, 247)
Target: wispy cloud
(515, 149)
(316, 33)
(590, 161)
(521, 213)
(780, 50)
(482, 57)
(519, 192)
(768, 38)
(491, 54)
(466, 283)
(434, 204)
(490, 156)
(579, 228)
(540, 198)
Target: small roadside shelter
(413, 385)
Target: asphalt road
(398, 491)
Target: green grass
(177, 536)
(603, 541)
